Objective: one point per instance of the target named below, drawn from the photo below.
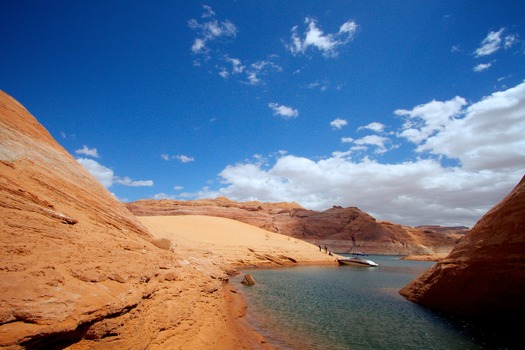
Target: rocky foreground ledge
(79, 270)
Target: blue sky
(413, 111)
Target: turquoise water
(345, 307)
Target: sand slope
(229, 242)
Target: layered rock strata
(483, 278)
(78, 270)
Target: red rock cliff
(484, 275)
(77, 268)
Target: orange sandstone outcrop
(341, 229)
(483, 278)
(78, 270)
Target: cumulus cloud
(283, 111)
(426, 119)
(338, 123)
(209, 30)
(489, 136)
(373, 140)
(375, 126)
(314, 37)
(92, 152)
(103, 174)
(107, 177)
(495, 41)
(485, 137)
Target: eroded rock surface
(78, 270)
(483, 278)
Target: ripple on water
(347, 308)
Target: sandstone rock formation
(483, 278)
(341, 229)
(78, 270)
(248, 280)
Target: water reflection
(345, 307)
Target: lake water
(345, 307)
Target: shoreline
(238, 307)
(238, 324)
(220, 248)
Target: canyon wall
(341, 229)
(483, 278)
(78, 270)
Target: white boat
(356, 261)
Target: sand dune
(231, 242)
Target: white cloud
(495, 41)
(373, 140)
(253, 72)
(426, 119)
(92, 152)
(481, 67)
(163, 195)
(103, 174)
(510, 40)
(107, 177)
(208, 11)
(318, 85)
(183, 158)
(375, 126)
(259, 68)
(126, 181)
(209, 30)
(485, 137)
(328, 44)
(180, 157)
(283, 111)
(490, 136)
(347, 140)
(237, 66)
(338, 123)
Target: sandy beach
(213, 244)
(229, 243)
